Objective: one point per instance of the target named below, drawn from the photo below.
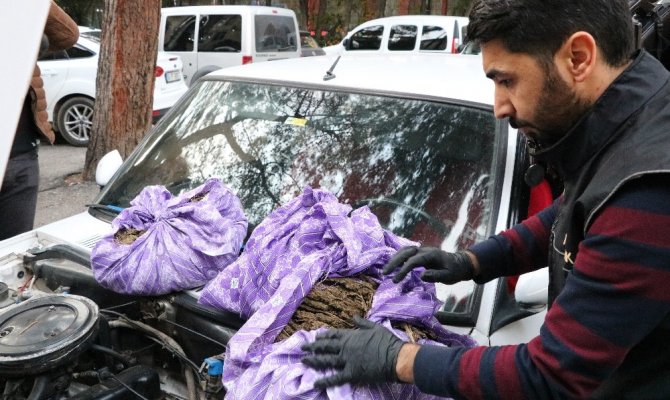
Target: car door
(55, 68)
(179, 38)
(219, 40)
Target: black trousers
(18, 195)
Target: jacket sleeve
(520, 249)
(60, 29)
(614, 298)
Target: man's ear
(579, 55)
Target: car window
(179, 33)
(220, 33)
(433, 38)
(402, 38)
(275, 33)
(308, 41)
(54, 56)
(79, 52)
(369, 38)
(425, 169)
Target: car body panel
(24, 23)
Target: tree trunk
(426, 7)
(445, 7)
(321, 17)
(403, 7)
(381, 8)
(126, 77)
(347, 14)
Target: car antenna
(329, 74)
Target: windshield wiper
(105, 207)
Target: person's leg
(18, 195)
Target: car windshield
(425, 168)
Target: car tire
(75, 120)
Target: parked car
(69, 82)
(425, 154)
(211, 37)
(404, 33)
(309, 46)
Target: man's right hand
(440, 266)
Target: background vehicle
(437, 33)
(309, 46)
(69, 83)
(211, 37)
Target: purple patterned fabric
(311, 238)
(185, 245)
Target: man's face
(535, 98)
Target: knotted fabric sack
(311, 238)
(182, 242)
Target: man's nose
(502, 107)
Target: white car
(404, 33)
(69, 82)
(424, 153)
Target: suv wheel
(75, 119)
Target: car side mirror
(346, 43)
(532, 290)
(107, 167)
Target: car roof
(221, 9)
(451, 76)
(414, 19)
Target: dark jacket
(624, 137)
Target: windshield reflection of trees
(379, 151)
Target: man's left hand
(362, 356)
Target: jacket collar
(643, 78)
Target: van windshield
(275, 33)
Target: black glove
(440, 266)
(362, 356)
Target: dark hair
(539, 27)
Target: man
(18, 194)
(567, 77)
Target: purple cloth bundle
(187, 240)
(311, 238)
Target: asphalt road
(61, 192)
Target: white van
(227, 36)
(435, 33)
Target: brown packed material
(333, 303)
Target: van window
(275, 33)
(402, 38)
(367, 38)
(179, 33)
(220, 33)
(433, 38)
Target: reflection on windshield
(424, 168)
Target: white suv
(69, 83)
(404, 33)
